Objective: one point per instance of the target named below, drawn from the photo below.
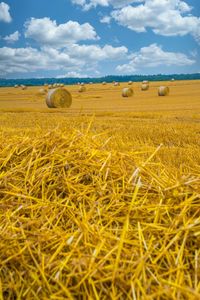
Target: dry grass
(104, 206)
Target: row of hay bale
(55, 85)
(46, 85)
(162, 91)
(61, 98)
(128, 92)
(23, 87)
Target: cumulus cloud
(94, 53)
(23, 60)
(88, 4)
(165, 17)
(47, 32)
(12, 38)
(73, 58)
(72, 74)
(153, 56)
(4, 13)
(105, 19)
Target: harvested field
(101, 200)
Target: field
(101, 200)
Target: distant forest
(110, 78)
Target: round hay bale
(116, 84)
(82, 89)
(58, 98)
(78, 83)
(172, 79)
(130, 82)
(104, 83)
(91, 82)
(163, 91)
(62, 85)
(41, 92)
(23, 87)
(145, 81)
(127, 92)
(55, 85)
(144, 86)
(50, 86)
(16, 86)
(82, 83)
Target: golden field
(101, 200)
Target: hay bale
(144, 86)
(104, 83)
(55, 85)
(41, 92)
(23, 87)
(82, 89)
(50, 86)
(62, 85)
(127, 92)
(116, 84)
(59, 98)
(145, 81)
(82, 83)
(16, 86)
(130, 82)
(163, 91)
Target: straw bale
(127, 92)
(59, 98)
(104, 83)
(41, 92)
(116, 84)
(145, 81)
(163, 91)
(23, 87)
(144, 86)
(82, 89)
(130, 82)
(16, 86)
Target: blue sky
(78, 38)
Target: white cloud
(105, 19)
(72, 74)
(74, 58)
(24, 60)
(165, 17)
(94, 53)
(4, 12)
(14, 37)
(88, 4)
(47, 32)
(154, 56)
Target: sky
(94, 38)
